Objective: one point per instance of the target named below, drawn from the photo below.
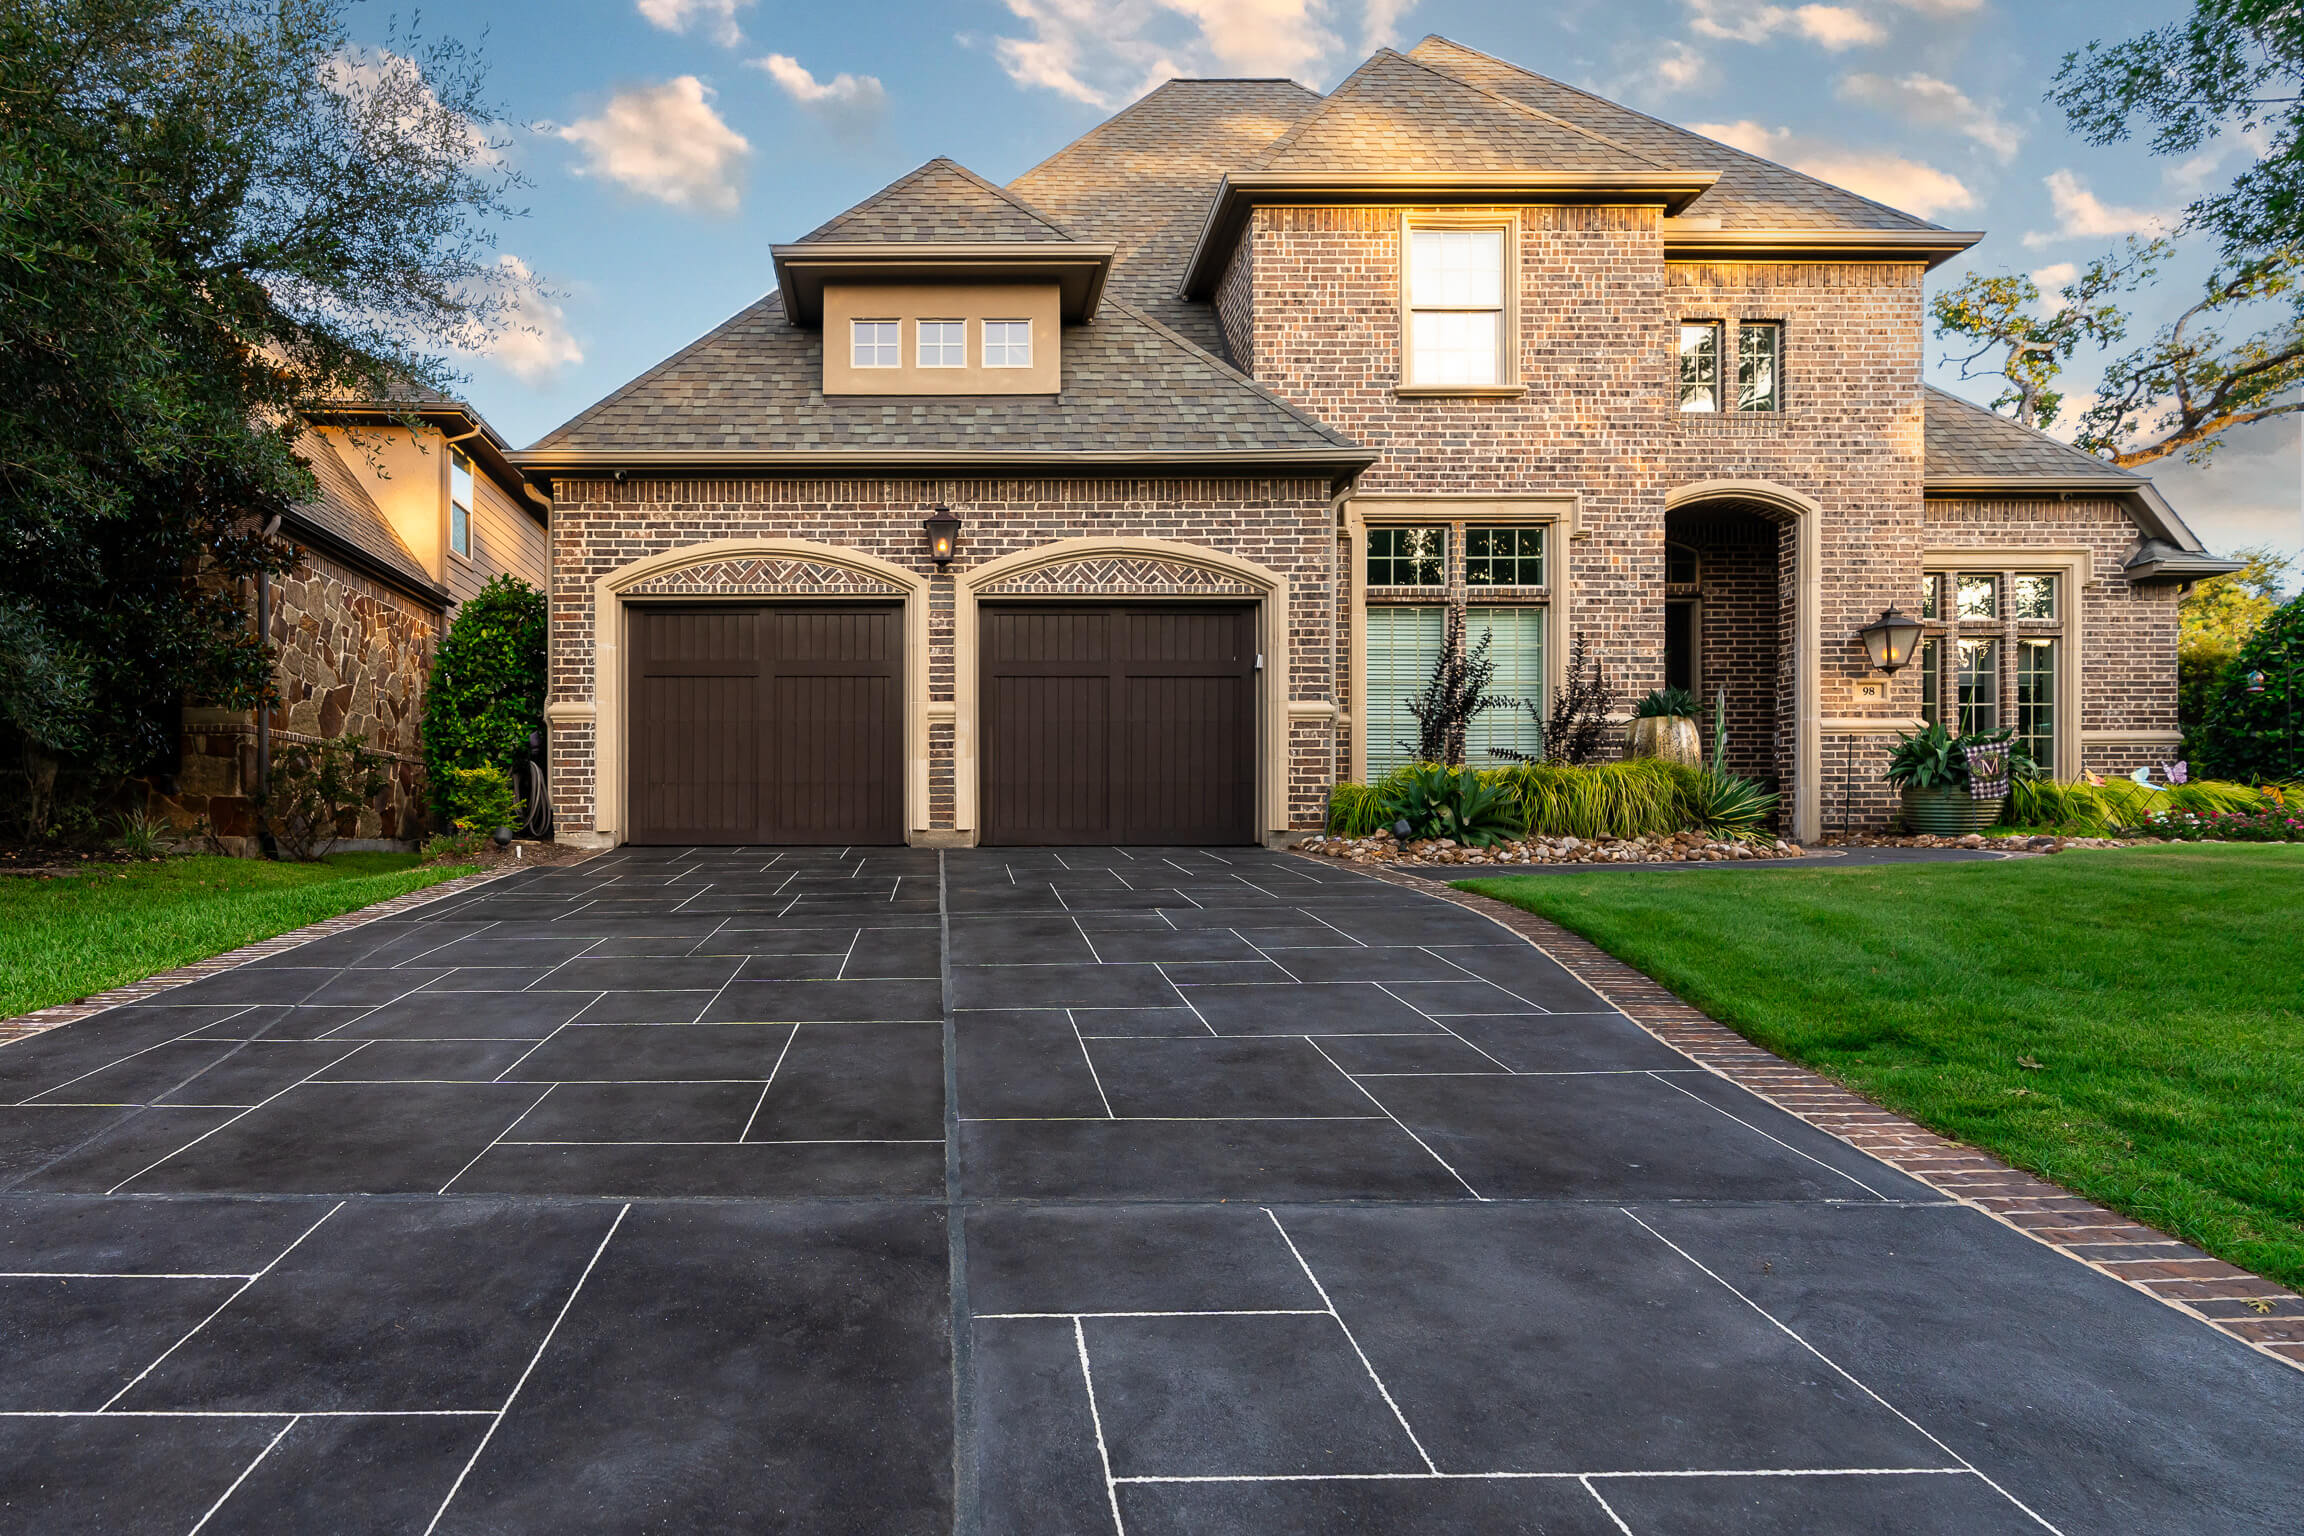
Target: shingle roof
(1752, 193)
(755, 385)
(346, 512)
(942, 201)
(1397, 114)
(1964, 441)
(1142, 180)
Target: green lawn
(64, 938)
(2127, 1023)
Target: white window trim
(472, 476)
(1508, 381)
(1029, 340)
(920, 342)
(885, 320)
(2072, 568)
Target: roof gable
(941, 203)
(346, 513)
(1752, 192)
(1964, 441)
(1396, 114)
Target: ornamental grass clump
(2082, 809)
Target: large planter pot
(1947, 812)
(1670, 737)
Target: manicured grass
(64, 938)
(2127, 1023)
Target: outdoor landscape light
(1890, 640)
(943, 533)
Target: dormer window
(1456, 308)
(459, 503)
(876, 343)
(943, 343)
(1007, 343)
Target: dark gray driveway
(736, 1190)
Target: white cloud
(1934, 103)
(1834, 27)
(716, 17)
(666, 142)
(2082, 215)
(2050, 280)
(1677, 67)
(851, 105)
(1108, 52)
(1875, 173)
(1943, 8)
(535, 343)
(388, 83)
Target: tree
(2232, 67)
(216, 216)
(2181, 391)
(2260, 735)
(2217, 618)
(486, 696)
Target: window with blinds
(1516, 645)
(1403, 647)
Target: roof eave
(1241, 191)
(1932, 247)
(2151, 511)
(1079, 268)
(1340, 464)
(2157, 561)
(304, 531)
(482, 443)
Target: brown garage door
(1119, 724)
(767, 725)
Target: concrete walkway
(1158, 1191)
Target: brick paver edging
(43, 1019)
(2265, 1316)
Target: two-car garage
(1127, 723)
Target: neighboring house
(1241, 399)
(409, 522)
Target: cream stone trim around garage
(1807, 615)
(1556, 511)
(608, 701)
(2074, 566)
(1273, 716)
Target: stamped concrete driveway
(1143, 1191)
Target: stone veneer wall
(354, 659)
(1598, 310)
(600, 526)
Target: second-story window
(1757, 350)
(876, 343)
(1700, 365)
(943, 343)
(1710, 349)
(459, 503)
(1007, 343)
(1455, 307)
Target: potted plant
(1664, 725)
(1931, 769)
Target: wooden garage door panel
(767, 725)
(1128, 723)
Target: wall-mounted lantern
(1890, 640)
(943, 535)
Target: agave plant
(1438, 801)
(1731, 806)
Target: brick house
(1236, 401)
(418, 509)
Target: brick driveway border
(2267, 1317)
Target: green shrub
(486, 695)
(2260, 735)
(316, 792)
(1354, 810)
(2081, 809)
(481, 799)
(143, 835)
(453, 846)
(1439, 801)
(1730, 806)
(1677, 702)
(1640, 797)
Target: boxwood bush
(486, 696)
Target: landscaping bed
(2129, 1024)
(66, 935)
(1678, 847)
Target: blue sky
(671, 142)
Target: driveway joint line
(225, 1497)
(1365, 1363)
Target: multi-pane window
(1757, 351)
(1979, 666)
(1504, 557)
(1007, 343)
(1705, 358)
(876, 343)
(1407, 557)
(1455, 307)
(1977, 597)
(943, 343)
(1932, 680)
(1929, 585)
(1700, 366)
(2036, 696)
(459, 502)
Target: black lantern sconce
(1890, 640)
(943, 536)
